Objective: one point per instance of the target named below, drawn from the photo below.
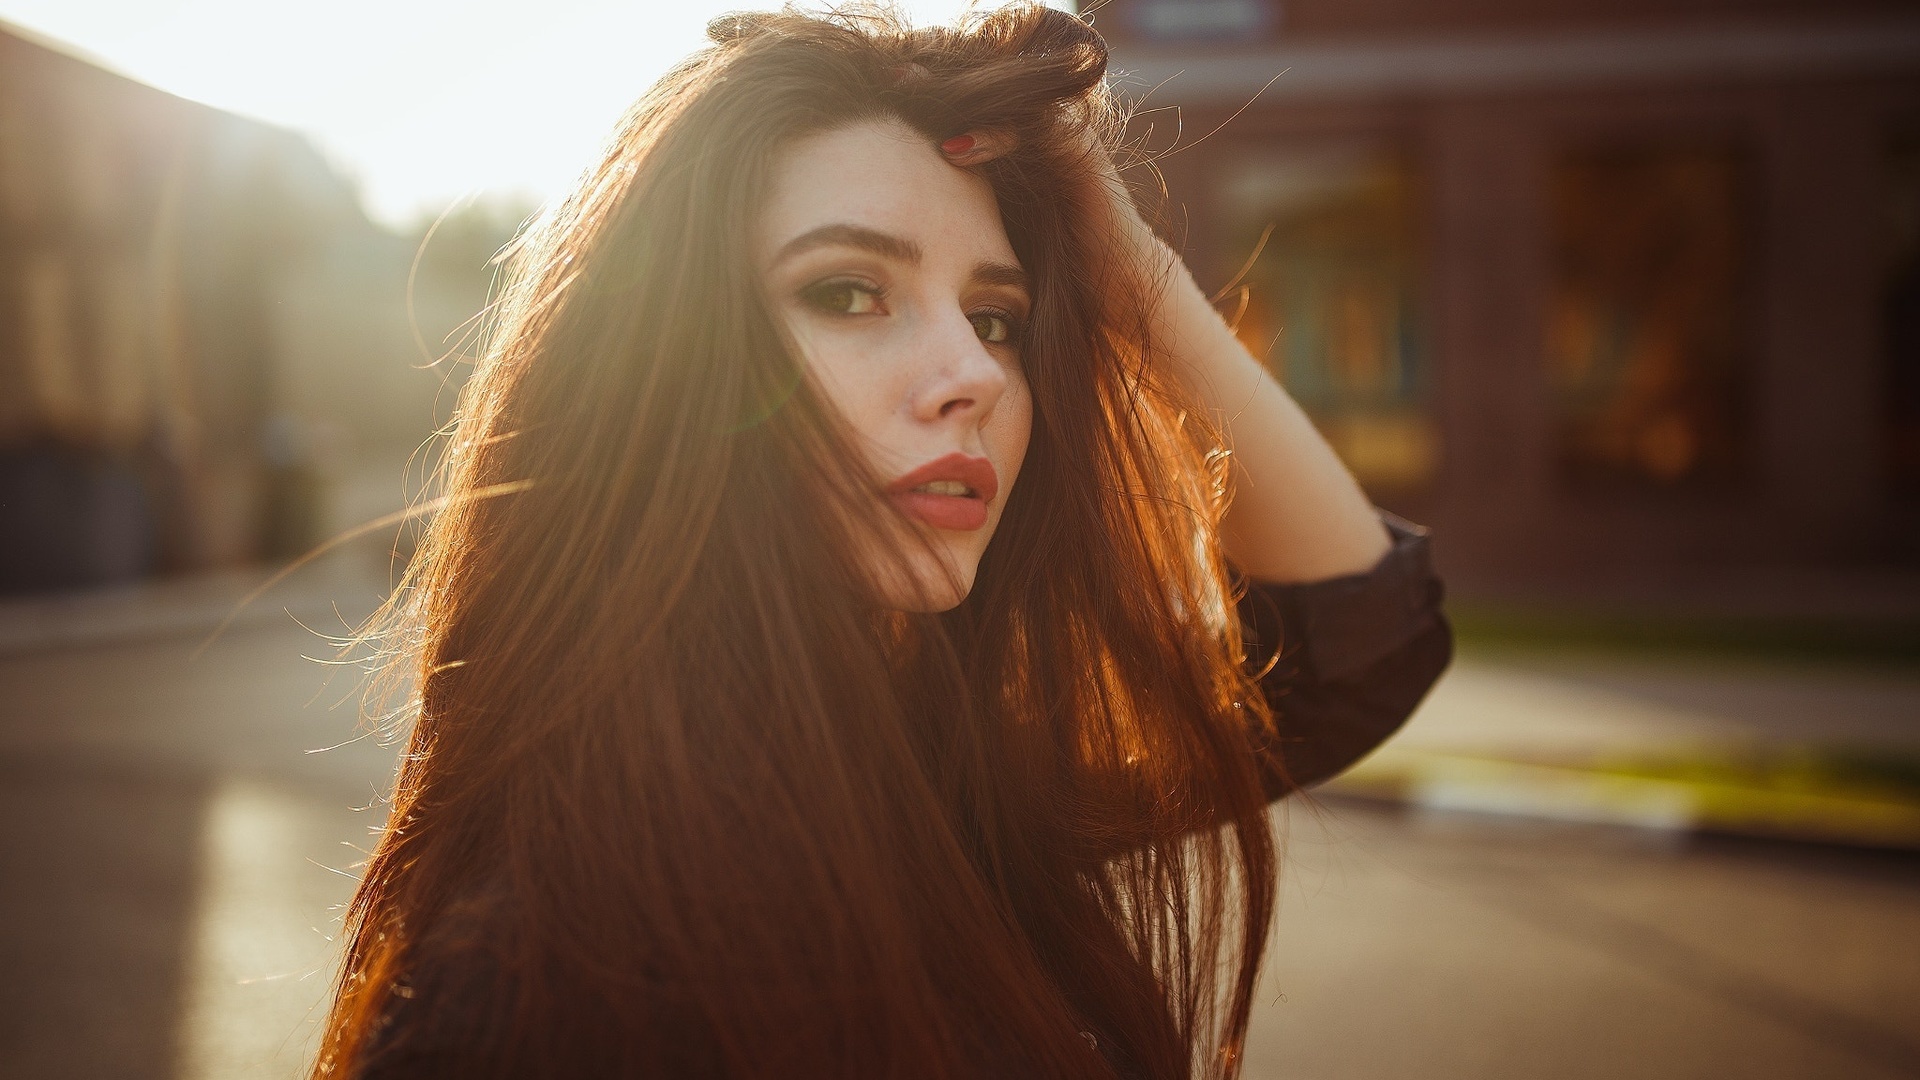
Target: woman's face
(892, 272)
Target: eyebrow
(999, 273)
(893, 247)
(853, 236)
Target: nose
(962, 380)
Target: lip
(961, 513)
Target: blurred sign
(1198, 21)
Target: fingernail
(957, 145)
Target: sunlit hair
(676, 799)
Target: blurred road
(1449, 948)
(169, 875)
(169, 888)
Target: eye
(844, 296)
(993, 327)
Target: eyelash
(1016, 327)
(815, 296)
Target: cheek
(1014, 429)
(846, 374)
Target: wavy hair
(675, 797)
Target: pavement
(185, 814)
(1750, 747)
(1443, 946)
(337, 591)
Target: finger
(976, 147)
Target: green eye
(992, 328)
(843, 297)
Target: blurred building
(201, 334)
(1616, 294)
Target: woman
(827, 657)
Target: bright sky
(422, 101)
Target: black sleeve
(1345, 660)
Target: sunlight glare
(421, 101)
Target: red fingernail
(957, 145)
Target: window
(1331, 300)
(1900, 311)
(1644, 319)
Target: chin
(929, 586)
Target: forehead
(882, 175)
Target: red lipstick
(948, 493)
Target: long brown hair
(675, 797)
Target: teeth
(945, 487)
